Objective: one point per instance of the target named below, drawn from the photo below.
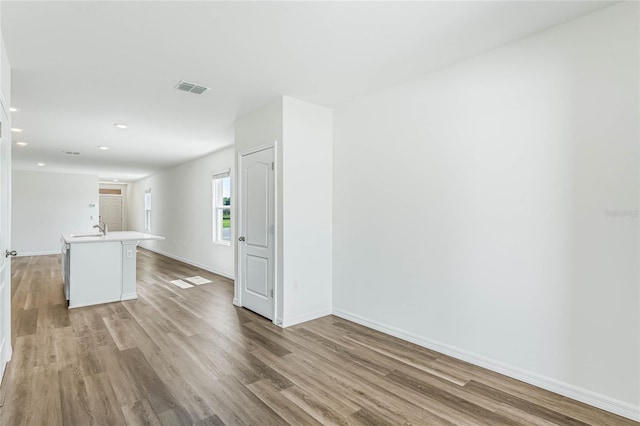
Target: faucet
(104, 228)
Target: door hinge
(271, 292)
(272, 166)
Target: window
(222, 208)
(147, 210)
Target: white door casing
(111, 211)
(256, 241)
(5, 237)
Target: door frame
(124, 193)
(239, 228)
(122, 208)
(5, 305)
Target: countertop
(94, 237)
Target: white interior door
(256, 241)
(5, 239)
(111, 211)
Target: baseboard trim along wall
(306, 317)
(192, 263)
(37, 253)
(612, 405)
(129, 296)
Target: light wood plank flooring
(188, 356)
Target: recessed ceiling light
(22, 143)
(104, 148)
(40, 164)
(14, 109)
(120, 125)
(15, 129)
(115, 180)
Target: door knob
(241, 239)
(8, 253)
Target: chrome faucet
(104, 228)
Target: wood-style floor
(188, 356)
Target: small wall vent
(185, 86)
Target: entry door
(111, 211)
(5, 239)
(256, 232)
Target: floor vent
(185, 86)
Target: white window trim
(217, 209)
(147, 219)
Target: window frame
(218, 207)
(147, 210)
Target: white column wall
(302, 136)
(307, 200)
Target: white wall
(45, 205)
(490, 210)
(263, 126)
(181, 211)
(306, 197)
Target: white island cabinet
(100, 268)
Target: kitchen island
(100, 268)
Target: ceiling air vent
(71, 152)
(185, 86)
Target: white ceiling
(81, 66)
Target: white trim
(129, 296)
(256, 148)
(586, 396)
(220, 174)
(236, 302)
(192, 263)
(304, 318)
(5, 356)
(5, 108)
(37, 253)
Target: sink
(86, 235)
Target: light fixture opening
(16, 130)
(40, 164)
(21, 143)
(104, 148)
(14, 109)
(120, 125)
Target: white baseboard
(37, 253)
(586, 396)
(192, 263)
(129, 296)
(236, 302)
(306, 317)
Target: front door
(111, 211)
(5, 239)
(256, 239)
